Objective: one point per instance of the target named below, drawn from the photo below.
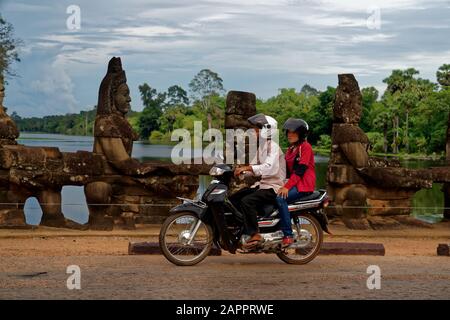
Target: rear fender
(321, 218)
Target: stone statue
(119, 190)
(114, 138)
(348, 153)
(364, 188)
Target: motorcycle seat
(313, 196)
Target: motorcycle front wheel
(184, 239)
(308, 241)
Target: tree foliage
(8, 48)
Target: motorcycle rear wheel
(175, 234)
(294, 255)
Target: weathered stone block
(343, 174)
(233, 121)
(154, 248)
(348, 100)
(389, 207)
(241, 103)
(345, 132)
(380, 193)
(356, 223)
(12, 218)
(352, 248)
(383, 223)
(443, 249)
(356, 153)
(398, 177)
(140, 219)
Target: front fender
(189, 207)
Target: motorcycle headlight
(216, 171)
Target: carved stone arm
(116, 154)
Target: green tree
(154, 103)
(8, 47)
(177, 96)
(320, 119)
(430, 120)
(381, 119)
(369, 97)
(204, 86)
(289, 103)
(309, 91)
(443, 75)
(405, 91)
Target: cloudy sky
(255, 45)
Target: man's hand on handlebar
(240, 170)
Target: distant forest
(410, 117)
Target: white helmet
(267, 124)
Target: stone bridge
(121, 191)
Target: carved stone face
(122, 98)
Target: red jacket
(303, 154)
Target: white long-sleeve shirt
(269, 163)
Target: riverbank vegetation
(408, 120)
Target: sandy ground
(33, 265)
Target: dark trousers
(250, 201)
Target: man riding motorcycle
(271, 167)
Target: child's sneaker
(287, 241)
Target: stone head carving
(348, 102)
(114, 95)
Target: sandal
(253, 241)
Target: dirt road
(226, 277)
(33, 265)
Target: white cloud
(148, 31)
(56, 86)
(362, 6)
(24, 7)
(161, 42)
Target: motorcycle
(195, 226)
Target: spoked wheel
(308, 241)
(184, 239)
